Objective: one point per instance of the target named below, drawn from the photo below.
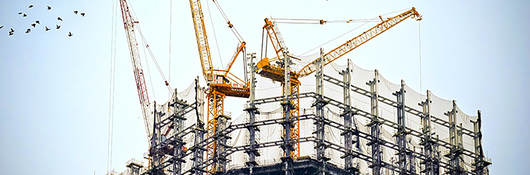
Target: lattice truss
(359, 123)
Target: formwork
(352, 121)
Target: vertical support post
(319, 120)
(252, 152)
(215, 119)
(318, 76)
(221, 146)
(287, 123)
(198, 133)
(178, 125)
(198, 152)
(245, 63)
(176, 164)
(375, 128)
(455, 151)
(412, 161)
(480, 166)
(431, 163)
(347, 116)
(401, 135)
(155, 140)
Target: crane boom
(276, 38)
(129, 25)
(358, 41)
(202, 39)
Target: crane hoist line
(278, 68)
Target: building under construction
(320, 118)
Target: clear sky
(54, 93)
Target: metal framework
(168, 154)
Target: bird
(83, 14)
(49, 7)
(20, 13)
(75, 12)
(1, 27)
(24, 15)
(57, 27)
(46, 28)
(33, 25)
(12, 30)
(30, 6)
(38, 22)
(28, 30)
(10, 33)
(70, 34)
(59, 18)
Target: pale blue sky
(54, 93)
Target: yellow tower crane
(275, 68)
(221, 83)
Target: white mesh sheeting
(269, 133)
(360, 77)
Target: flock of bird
(37, 22)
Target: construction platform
(360, 123)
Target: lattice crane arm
(276, 38)
(202, 39)
(129, 25)
(359, 40)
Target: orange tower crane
(276, 68)
(221, 83)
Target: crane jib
(359, 40)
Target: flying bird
(49, 7)
(57, 27)
(75, 12)
(83, 14)
(10, 33)
(30, 6)
(70, 34)
(38, 22)
(12, 30)
(46, 28)
(59, 18)
(33, 25)
(1, 27)
(24, 15)
(20, 13)
(28, 30)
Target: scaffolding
(420, 134)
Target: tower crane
(221, 83)
(129, 24)
(278, 68)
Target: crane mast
(129, 25)
(221, 83)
